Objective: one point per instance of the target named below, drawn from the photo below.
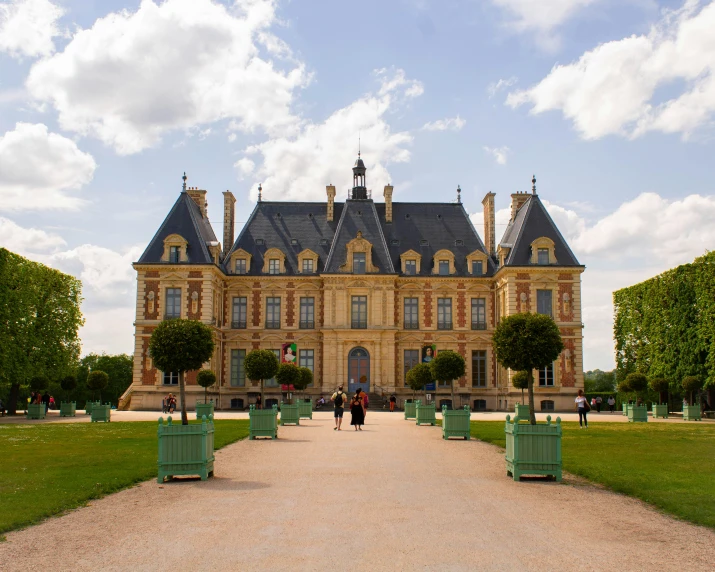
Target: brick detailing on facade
(256, 345)
(565, 302)
(151, 306)
(522, 276)
(321, 310)
(397, 309)
(194, 302)
(462, 349)
(522, 305)
(565, 277)
(428, 305)
(461, 306)
(256, 304)
(190, 377)
(195, 274)
(151, 274)
(290, 305)
(567, 359)
(398, 377)
(148, 369)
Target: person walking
(365, 402)
(357, 410)
(611, 403)
(393, 402)
(338, 398)
(599, 402)
(582, 405)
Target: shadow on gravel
(219, 483)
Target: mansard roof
(183, 219)
(532, 221)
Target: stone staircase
(376, 401)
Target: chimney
(330, 189)
(489, 234)
(229, 202)
(388, 203)
(199, 197)
(518, 199)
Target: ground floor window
(171, 378)
(238, 372)
(547, 405)
(546, 375)
(480, 405)
(412, 358)
(307, 359)
(479, 368)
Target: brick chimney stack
(330, 190)
(229, 208)
(199, 197)
(388, 203)
(489, 224)
(518, 199)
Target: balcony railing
(359, 325)
(171, 316)
(444, 325)
(409, 325)
(479, 325)
(273, 325)
(238, 324)
(307, 324)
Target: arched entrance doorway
(358, 370)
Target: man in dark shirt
(46, 401)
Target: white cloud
(27, 240)
(448, 123)
(299, 167)
(37, 168)
(27, 27)
(612, 89)
(135, 76)
(245, 166)
(495, 87)
(499, 153)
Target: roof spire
(533, 184)
(260, 191)
(184, 178)
(459, 194)
(358, 144)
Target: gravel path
(392, 497)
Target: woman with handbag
(583, 408)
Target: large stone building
(359, 292)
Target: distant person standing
(611, 403)
(338, 398)
(357, 410)
(52, 402)
(599, 401)
(365, 402)
(582, 405)
(393, 402)
(259, 402)
(46, 401)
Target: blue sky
(103, 105)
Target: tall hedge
(665, 327)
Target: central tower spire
(359, 180)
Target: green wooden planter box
(204, 410)
(522, 411)
(89, 405)
(625, 408)
(456, 423)
(262, 422)
(36, 411)
(186, 449)
(692, 413)
(533, 449)
(660, 410)
(410, 412)
(637, 414)
(425, 413)
(289, 414)
(305, 409)
(101, 413)
(68, 409)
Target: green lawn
(49, 468)
(671, 466)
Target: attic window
(359, 213)
(407, 215)
(260, 242)
(324, 241)
(278, 215)
(424, 242)
(439, 217)
(294, 241)
(395, 243)
(310, 215)
(459, 242)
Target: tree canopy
(304, 380)
(692, 384)
(520, 380)
(419, 376)
(181, 345)
(206, 378)
(261, 365)
(97, 380)
(525, 342)
(288, 374)
(119, 369)
(637, 382)
(448, 366)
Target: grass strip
(51, 468)
(668, 465)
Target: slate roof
(183, 219)
(531, 222)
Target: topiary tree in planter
(97, 380)
(525, 342)
(304, 379)
(39, 383)
(68, 385)
(181, 345)
(288, 374)
(691, 384)
(660, 386)
(418, 377)
(261, 364)
(637, 383)
(520, 380)
(448, 365)
(206, 378)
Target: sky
(104, 105)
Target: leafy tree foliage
(660, 386)
(598, 381)
(68, 384)
(520, 380)
(40, 319)
(206, 378)
(305, 379)
(288, 374)
(119, 369)
(525, 342)
(39, 383)
(448, 366)
(692, 384)
(97, 380)
(637, 383)
(181, 345)
(261, 364)
(419, 376)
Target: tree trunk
(182, 396)
(262, 405)
(532, 415)
(12, 402)
(206, 395)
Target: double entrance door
(358, 370)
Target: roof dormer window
(274, 266)
(174, 253)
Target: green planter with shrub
(305, 408)
(660, 410)
(68, 409)
(637, 414)
(36, 411)
(692, 413)
(262, 422)
(533, 449)
(410, 410)
(204, 410)
(186, 449)
(425, 413)
(289, 414)
(521, 411)
(456, 423)
(102, 413)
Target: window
(459, 242)
(323, 241)
(412, 321)
(479, 313)
(477, 268)
(359, 312)
(543, 302)
(412, 358)
(395, 242)
(173, 303)
(359, 263)
(444, 313)
(174, 254)
(479, 368)
(273, 313)
(444, 267)
(274, 266)
(546, 375)
(294, 241)
(542, 256)
(238, 371)
(424, 242)
(260, 242)
(410, 267)
(240, 266)
(273, 382)
(306, 358)
(308, 266)
(307, 313)
(547, 405)
(239, 313)
(171, 378)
